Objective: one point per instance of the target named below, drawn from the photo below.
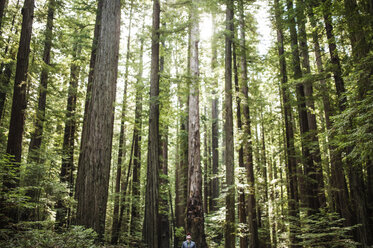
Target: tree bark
(6, 69)
(306, 158)
(289, 132)
(135, 214)
(242, 217)
(338, 180)
(214, 124)
(230, 228)
(19, 104)
(122, 142)
(195, 215)
(247, 141)
(164, 225)
(207, 167)
(37, 135)
(34, 152)
(328, 111)
(360, 47)
(95, 157)
(316, 197)
(63, 215)
(150, 228)
(92, 62)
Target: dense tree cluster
(133, 123)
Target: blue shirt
(190, 245)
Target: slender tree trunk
(289, 133)
(95, 157)
(63, 214)
(195, 216)
(247, 142)
(34, 154)
(150, 229)
(230, 228)
(265, 164)
(164, 238)
(6, 69)
(306, 158)
(334, 57)
(315, 186)
(272, 175)
(206, 180)
(37, 135)
(135, 214)
(164, 225)
(338, 180)
(19, 104)
(181, 177)
(242, 217)
(124, 188)
(360, 48)
(360, 51)
(122, 142)
(328, 112)
(214, 124)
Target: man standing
(189, 243)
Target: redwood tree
(150, 228)
(19, 104)
(95, 155)
(228, 128)
(195, 214)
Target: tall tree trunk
(207, 167)
(328, 111)
(6, 69)
(92, 62)
(272, 175)
(242, 217)
(95, 157)
(63, 215)
(247, 142)
(230, 228)
(306, 158)
(37, 135)
(122, 142)
(360, 51)
(181, 177)
(338, 180)
(34, 154)
(125, 187)
(150, 229)
(195, 216)
(360, 48)
(164, 225)
(19, 104)
(135, 214)
(315, 186)
(289, 132)
(265, 164)
(214, 123)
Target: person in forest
(189, 243)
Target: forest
(244, 123)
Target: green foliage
(76, 236)
(325, 230)
(179, 233)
